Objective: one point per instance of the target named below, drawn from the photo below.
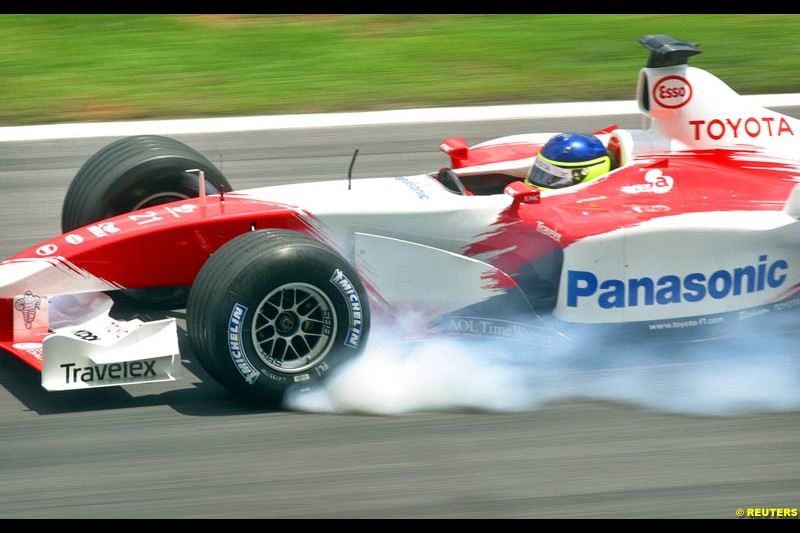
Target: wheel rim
(293, 327)
(160, 198)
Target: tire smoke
(745, 375)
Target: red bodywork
(177, 239)
(162, 246)
(461, 156)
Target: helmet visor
(546, 174)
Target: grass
(56, 68)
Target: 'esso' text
(672, 92)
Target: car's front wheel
(272, 309)
(135, 173)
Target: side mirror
(456, 148)
(522, 193)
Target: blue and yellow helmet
(569, 158)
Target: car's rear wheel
(273, 309)
(135, 173)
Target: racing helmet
(567, 159)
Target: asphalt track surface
(187, 449)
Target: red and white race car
(693, 235)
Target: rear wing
(696, 110)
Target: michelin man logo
(655, 182)
(28, 305)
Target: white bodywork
(79, 344)
(88, 348)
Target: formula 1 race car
(692, 235)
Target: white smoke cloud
(391, 377)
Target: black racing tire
(274, 308)
(133, 173)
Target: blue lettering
(773, 281)
(240, 360)
(614, 295)
(672, 289)
(761, 268)
(714, 290)
(696, 290)
(349, 292)
(635, 285)
(739, 273)
(574, 291)
(421, 194)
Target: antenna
(350, 171)
(221, 186)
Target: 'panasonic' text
(673, 289)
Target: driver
(568, 159)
